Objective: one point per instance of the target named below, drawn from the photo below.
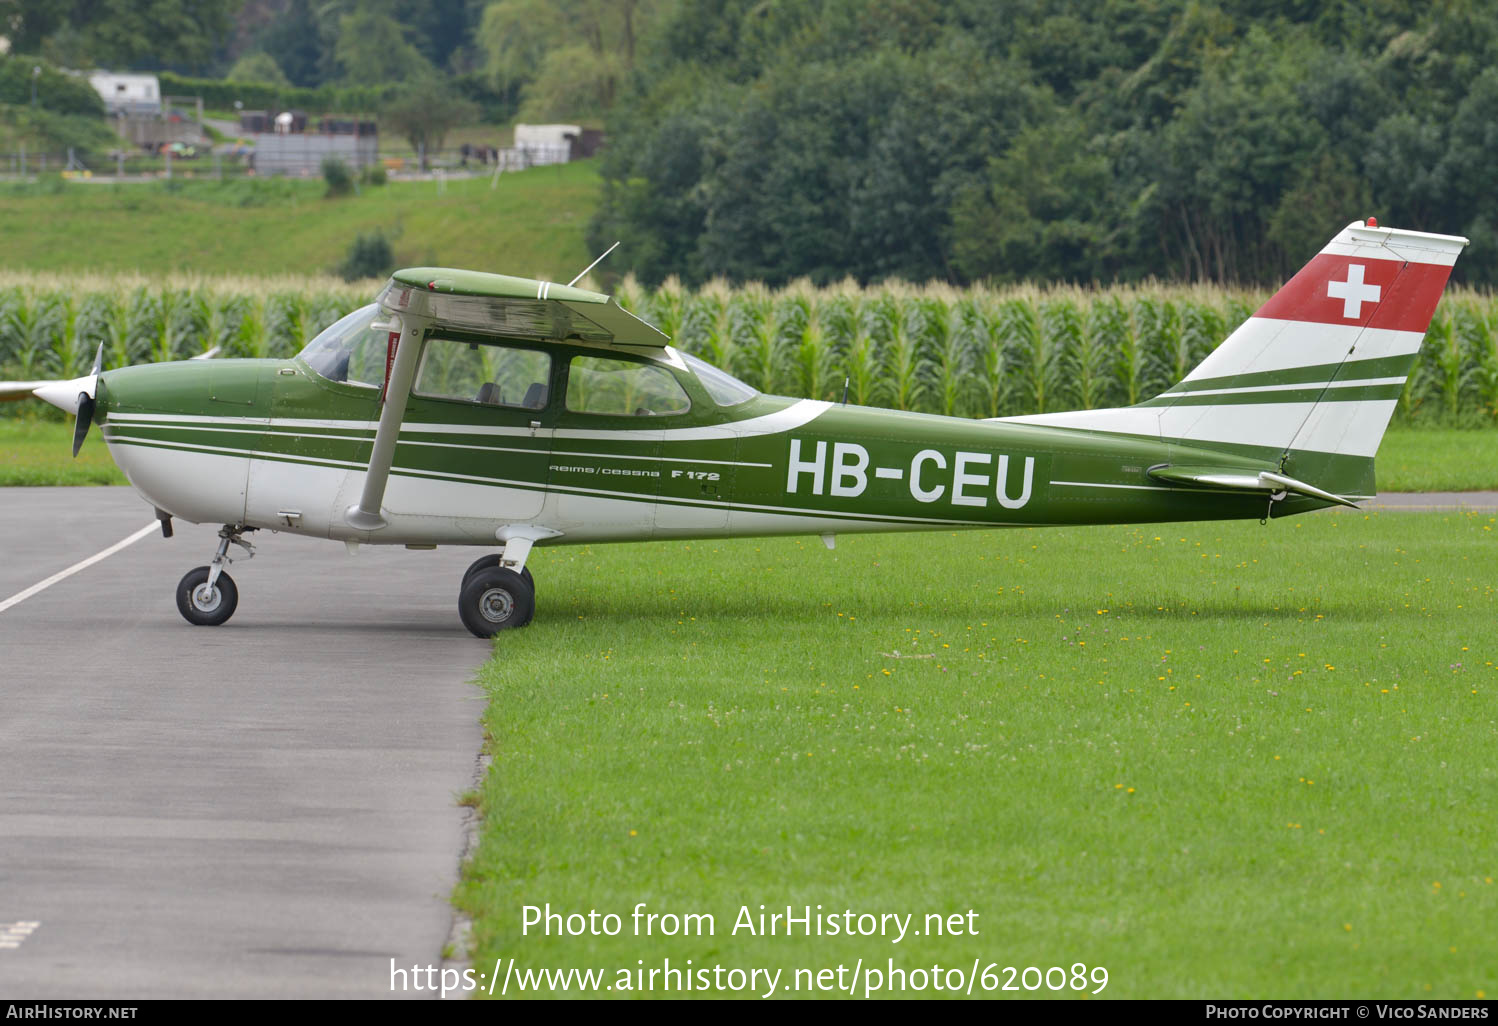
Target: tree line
(1049, 140)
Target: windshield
(349, 351)
(725, 389)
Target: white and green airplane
(463, 408)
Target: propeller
(77, 396)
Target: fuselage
(275, 445)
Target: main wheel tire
(201, 607)
(492, 560)
(496, 599)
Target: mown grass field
(531, 224)
(1222, 760)
(39, 452)
(36, 452)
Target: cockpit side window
(725, 389)
(349, 351)
(623, 388)
(491, 375)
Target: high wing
(515, 307)
(12, 390)
(417, 298)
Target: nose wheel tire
(495, 599)
(492, 560)
(203, 606)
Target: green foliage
(424, 110)
(45, 131)
(222, 94)
(339, 178)
(1078, 142)
(56, 91)
(120, 33)
(369, 256)
(374, 48)
(259, 66)
(561, 59)
(976, 353)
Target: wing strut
(400, 368)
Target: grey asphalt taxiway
(262, 809)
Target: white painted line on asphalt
(12, 934)
(82, 564)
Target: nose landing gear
(206, 596)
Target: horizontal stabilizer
(1240, 479)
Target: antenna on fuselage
(594, 264)
(845, 390)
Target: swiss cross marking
(1353, 292)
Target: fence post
(167, 149)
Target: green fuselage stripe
(1351, 370)
(1318, 394)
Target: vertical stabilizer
(1312, 378)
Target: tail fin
(1310, 381)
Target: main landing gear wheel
(492, 560)
(495, 599)
(203, 606)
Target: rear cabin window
(492, 375)
(622, 388)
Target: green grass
(39, 452)
(1437, 460)
(1188, 754)
(530, 225)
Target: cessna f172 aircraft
(463, 408)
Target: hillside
(531, 225)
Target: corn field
(970, 353)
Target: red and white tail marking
(1319, 366)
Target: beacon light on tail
(463, 408)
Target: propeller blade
(85, 419)
(78, 396)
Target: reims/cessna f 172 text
(477, 409)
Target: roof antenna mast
(594, 264)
